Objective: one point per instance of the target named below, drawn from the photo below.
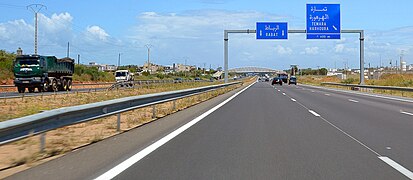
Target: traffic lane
(376, 102)
(93, 160)
(261, 134)
(396, 102)
(387, 132)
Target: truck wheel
(21, 89)
(45, 87)
(31, 89)
(69, 85)
(53, 86)
(64, 85)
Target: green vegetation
(322, 71)
(402, 80)
(85, 73)
(6, 65)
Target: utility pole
(119, 61)
(185, 65)
(36, 9)
(68, 49)
(78, 59)
(149, 50)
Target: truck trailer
(46, 73)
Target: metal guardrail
(20, 128)
(146, 82)
(79, 84)
(395, 88)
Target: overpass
(255, 70)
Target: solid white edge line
(293, 100)
(314, 113)
(352, 100)
(397, 166)
(141, 154)
(403, 112)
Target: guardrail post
(153, 111)
(42, 142)
(118, 123)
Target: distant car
(178, 80)
(277, 80)
(293, 80)
(197, 78)
(284, 77)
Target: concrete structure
(255, 70)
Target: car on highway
(277, 80)
(178, 80)
(292, 80)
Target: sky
(192, 31)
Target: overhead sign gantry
(323, 22)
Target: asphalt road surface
(266, 132)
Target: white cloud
(97, 32)
(339, 48)
(283, 50)
(311, 50)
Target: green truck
(46, 73)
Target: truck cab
(123, 76)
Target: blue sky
(193, 29)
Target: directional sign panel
(323, 21)
(272, 30)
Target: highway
(260, 132)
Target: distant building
(19, 52)
(103, 67)
(153, 68)
(184, 68)
(410, 67)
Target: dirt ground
(23, 154)
(19, 107)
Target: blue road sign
(323, 21)
(272, 30)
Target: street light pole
(36, 9)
